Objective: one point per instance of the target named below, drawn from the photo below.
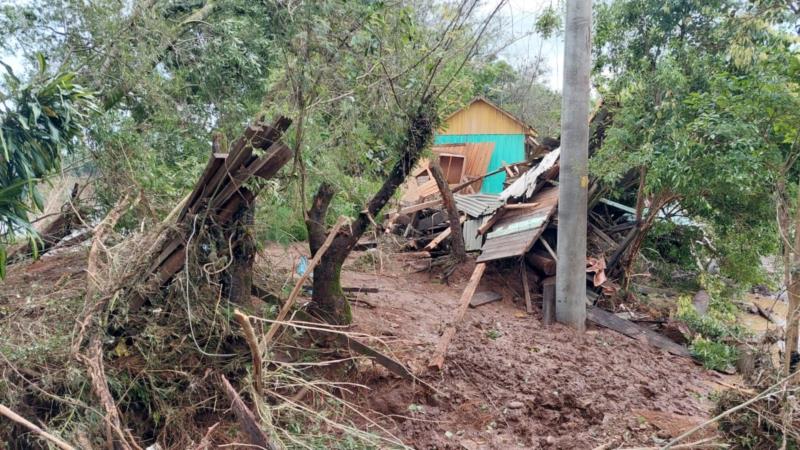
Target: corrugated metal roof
(525, 185)
(472, 241)
(477, 205)
(517, 231)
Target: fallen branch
(97, 375)
(252, 342)
(246, 418)
(437, 361)
(35, 429)
(765, 393)
(298, 287)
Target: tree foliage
(40, 121)
(705, 92)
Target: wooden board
(484, 297)
(608, 320)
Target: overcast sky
(517, 19)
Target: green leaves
(38, 125)
(711, 130)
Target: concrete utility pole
(574, 176)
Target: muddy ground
(508, 382)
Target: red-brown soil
(508, 381)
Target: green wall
(508, 148)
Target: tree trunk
(574, 178)
(327, 294)
(790, 355)
(239, 277)
(457, 248)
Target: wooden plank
(212, 166)
(276, 156)
(256, 136)
(393, 365)
(442, 236)
(167, 250)
(632, 330)
(361, 289)
(492, 221)
(484, 297)
(521, 205)
(437, 360)
(247, 420)
(526, 287)
(419, 207)
(299, 285)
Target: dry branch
(94, 366)
(35, 429)
(252, 342)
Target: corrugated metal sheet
(473, 242)
(525, 185)
(509, 148)
(517, 231)
(477, 205)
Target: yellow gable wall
(481, 118)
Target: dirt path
(510, 382)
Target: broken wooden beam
(608, 320)
(247, 420)
(437, 360)
(545, 264)
(527, 289)
(362, 289)
(393, 365)
(521, 205)
(287, 306)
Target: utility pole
(574, 175)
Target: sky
(517, 18)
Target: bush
(714, 355)
(712, 332)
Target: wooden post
(437, 361)
(457, 248)
(574, 176)
(527, 288)
(549, 301)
